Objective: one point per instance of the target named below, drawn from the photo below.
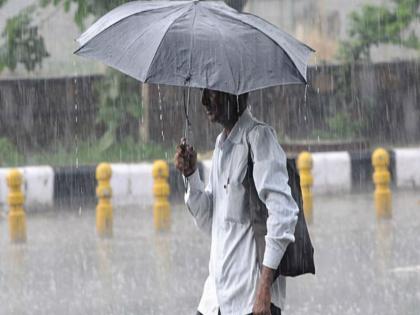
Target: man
(239, 283)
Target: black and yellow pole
(305, 164)
(16, 199)
(104, 217)
(161, 191)
(382, 179)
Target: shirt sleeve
(199, 201)
(271, 181)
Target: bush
(9, 155)
(91, 153)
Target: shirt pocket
(236, 204)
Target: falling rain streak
(62, 115)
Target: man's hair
(238, 100)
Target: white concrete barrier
(407, 167)
(132, 184)
(332, 172)
(38, 187)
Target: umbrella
(201, 44)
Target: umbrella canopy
(203, 44)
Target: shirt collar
(235, 135)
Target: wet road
(363, 267)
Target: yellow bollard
(161, 191)
(17, 218)
(382, 179)
(305, 164)
(104, 193)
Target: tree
(22, 43)
(374, 25)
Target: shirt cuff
(272, 257)
(194, 180)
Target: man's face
(215, 104)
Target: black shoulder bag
(299, 256)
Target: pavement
(364, 266)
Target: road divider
(132, 184)
(332, 172)
(408, 167)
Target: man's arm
(263, 299)
(200, 201)
(197, 199)
(271, 181)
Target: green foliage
(341, 126)
(8, 153)
(86, 8)
(374, 25)
(347, 115)
(120, 102)
(22, 43)
(97, 8)
(88, 153)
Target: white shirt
(221, 210)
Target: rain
(94, 219)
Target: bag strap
(257, 208)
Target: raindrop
(237, 103)
(160, 112)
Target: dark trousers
(274, 311)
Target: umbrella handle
(187, 127)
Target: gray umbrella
(203, 44)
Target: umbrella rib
(227, 58)
(285, 51)
(141, 34)
(115, 22)
(265, 34)
(160, 44)
(192, 42)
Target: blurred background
(57, 107)
(70, 113)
